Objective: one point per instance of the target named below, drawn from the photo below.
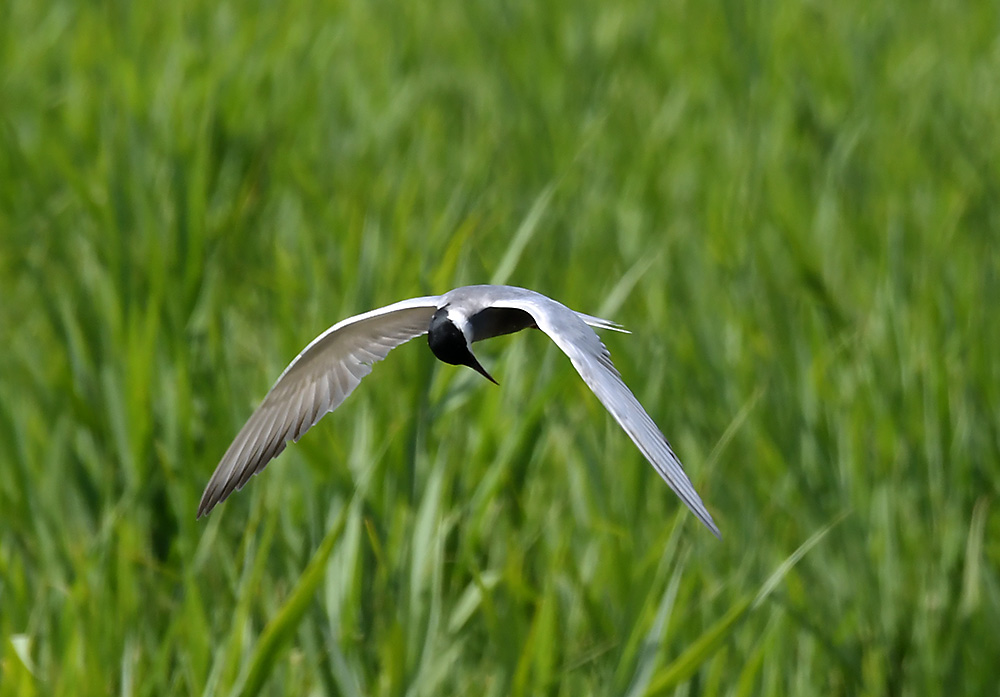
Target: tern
(332, 365)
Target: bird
(321, 377)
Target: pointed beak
(474, 364)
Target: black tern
(328, 369)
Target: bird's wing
(593, 362)
(316, 382)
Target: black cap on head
(449, 345)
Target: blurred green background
(793, 205)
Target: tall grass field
(793, 205)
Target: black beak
(474, 364)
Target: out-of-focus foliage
(793, 205)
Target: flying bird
(329, 368)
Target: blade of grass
(279, 631)
(685, 665)
(523, 235)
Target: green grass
(792, 205)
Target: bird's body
(332, 365)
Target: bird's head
(449, 343)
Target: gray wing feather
(316, 382)
(592, 361)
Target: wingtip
(204, 509)
(709, 523)
(703, 516)
(209, 500)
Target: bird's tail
(599, 323)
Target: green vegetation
(794, 206)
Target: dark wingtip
(204, 508)
(209, 500)
(709, 523)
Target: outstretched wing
(316, 382)
(592, 361)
